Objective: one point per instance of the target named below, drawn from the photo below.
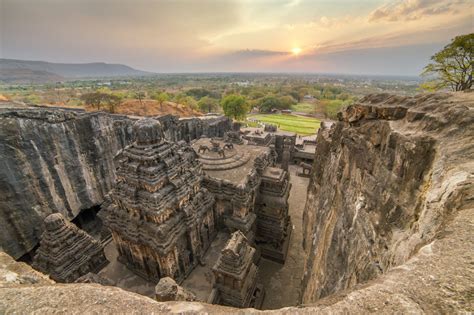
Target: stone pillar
(286, 154)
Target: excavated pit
(386, 227)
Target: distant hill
(12, 70)
(19, 76)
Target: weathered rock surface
(54, 160)
(168, 290)
(387, 179)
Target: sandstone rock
(94, 278)
(168, 290)
(53, 161)
(386, 180)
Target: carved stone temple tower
(273, 221)
(67, 252)
(160, 217)
(236, 275)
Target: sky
(331, 36)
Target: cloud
(252, 53)
(404, 37)
(212, 35)
(409, 10)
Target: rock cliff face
(387, 178)
(53, 161)
(62, 161)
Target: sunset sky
(335, 36)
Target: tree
(286, 101)
(453, 66)
(234, 106)
(94, 99)
(190, 102)
(140, 96)
(207, 104)
(161, 98)
(199, 93)
(267, 103)
(112, 100)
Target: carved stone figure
(229, 146)
(305, 167)
(203, 148)
(216, 145)
(221, 152)
(233, 137)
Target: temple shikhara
(66, 252)
(236, 275)
(161, 218)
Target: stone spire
(66, 252)
(236, 274)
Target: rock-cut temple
(160, 217)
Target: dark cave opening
(28, 257)
(89, 221)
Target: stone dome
(54, 221)
(148, 131)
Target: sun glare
(296, 51)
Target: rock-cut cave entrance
(89, 221)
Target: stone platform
(235, 166)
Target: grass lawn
(303, 108)
(298, 124)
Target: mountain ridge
(10, 70)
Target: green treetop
(234, 106)
(452, 66)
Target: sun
(296, 51)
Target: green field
(303, 108)
(298, 124)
